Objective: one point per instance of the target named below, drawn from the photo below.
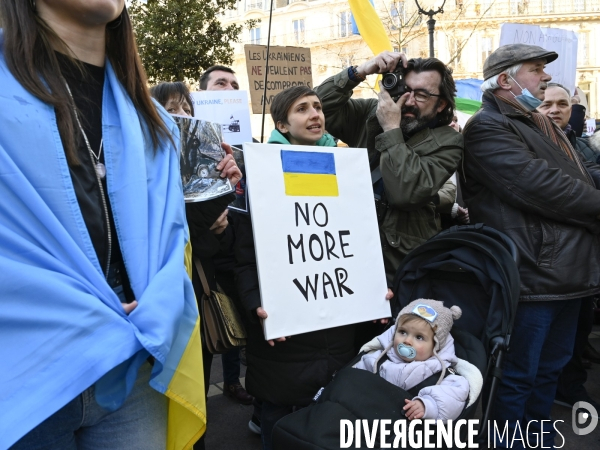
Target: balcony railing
(503, 8)
(255, 5)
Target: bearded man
(412, 150)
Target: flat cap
(509, 55)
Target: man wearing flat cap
(522, 176)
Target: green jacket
(413, 171)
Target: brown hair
(282, 102)
(29, 50)
(447, 86)
(206, 75)
(166, 90)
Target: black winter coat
(515, 179)
(291, 372)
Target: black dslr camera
(393, 82)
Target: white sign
(317, 244)
(563, 42)
(230, 109)
(590, 126)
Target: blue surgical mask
(526, 98)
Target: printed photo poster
(317, 244)
(230, 109)
(240, 204)
(199, 156)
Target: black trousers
(574, 375)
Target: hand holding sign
(262, 315)
(228, 166)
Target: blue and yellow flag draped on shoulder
(62, 328)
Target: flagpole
(264, 99)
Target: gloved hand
(373, 344)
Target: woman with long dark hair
(98, 321)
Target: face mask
(526, 98)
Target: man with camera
(412, 152)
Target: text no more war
(325, 245)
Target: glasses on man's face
(421, 95)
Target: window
(253, 4)
(299, 31)
(547, 6)
(455, 50)
(397, 14)
(583, 56)
(255, 36)
(578, 5)
(486, 48)
(345, 24)
(518, 6)
(487, 4)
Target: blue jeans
(541, 345)
(83, 425)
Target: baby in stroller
(417, 347)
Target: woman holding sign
(285, 374)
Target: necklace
(98, 166)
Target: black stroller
(474, 267)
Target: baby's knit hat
(439, 317)
(441, 320)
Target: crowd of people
(98, 309)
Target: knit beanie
(439, 318)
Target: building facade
(466, 33)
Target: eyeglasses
(421, 95)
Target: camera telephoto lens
(389, 80)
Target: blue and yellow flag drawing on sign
(310, 174)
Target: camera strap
(377, 181)
(381, 205)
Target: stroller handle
(490, 232)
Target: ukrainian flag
(310, 174)
(369, 25)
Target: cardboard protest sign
(288, 66)
(317, 243)
(563, 42)
(230, 109)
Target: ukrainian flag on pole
(369, 25)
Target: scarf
(550, 129)
(278, 138)
(62, 327)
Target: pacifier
(406, 352)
